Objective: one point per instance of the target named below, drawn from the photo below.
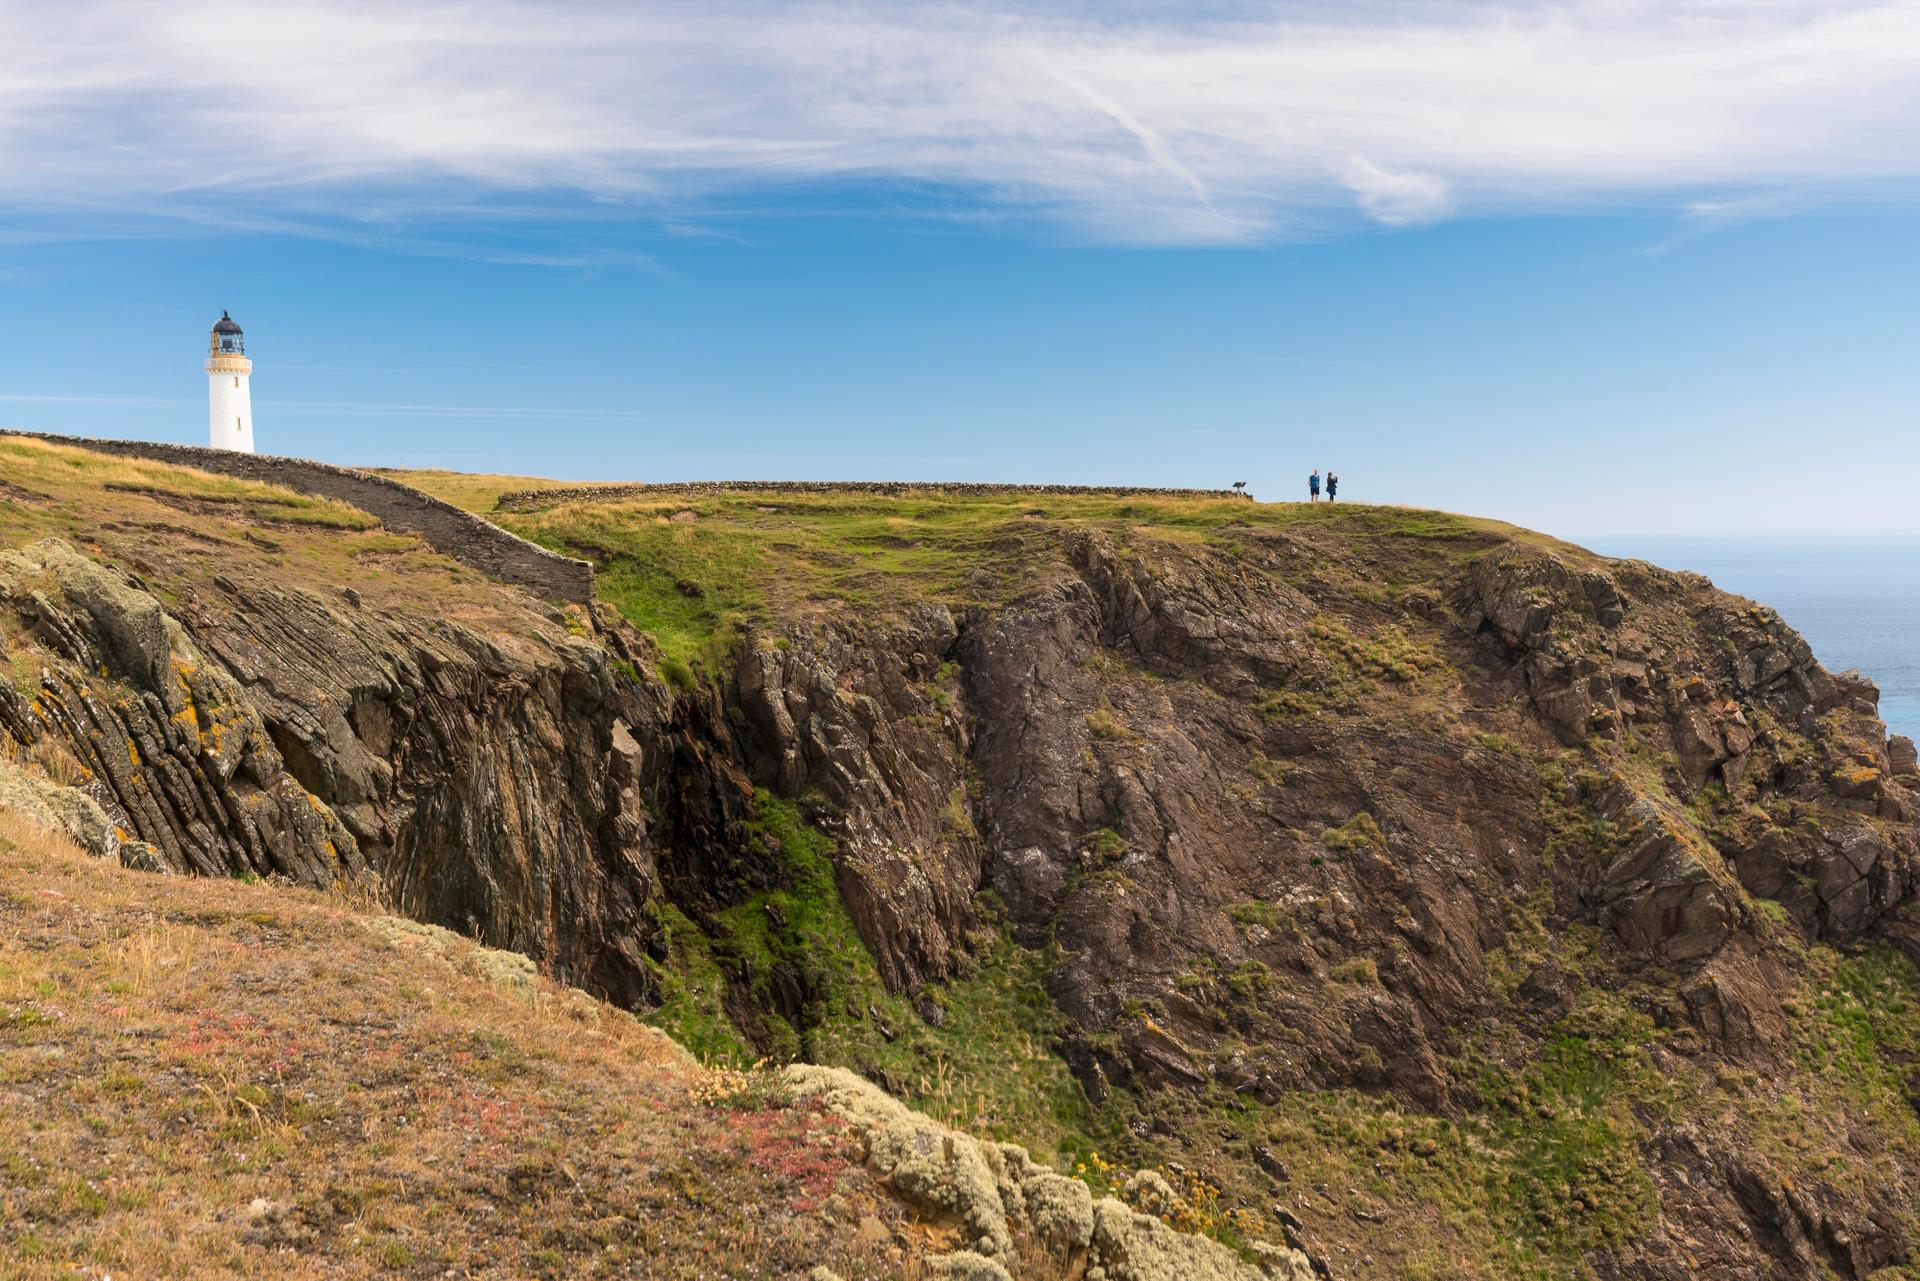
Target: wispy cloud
(694, 231)
(1151, 143)
(94, 400)
(346, 408)
(1397, 199)
(362, 409)
(1224, 120)
(1762, 204)
(1707, 215)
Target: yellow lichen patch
(133, 754)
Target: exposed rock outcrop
(995, 1193)
(65, 809)
(180, 755)
(872, 728)
(263, 729)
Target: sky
(1601, 267)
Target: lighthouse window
(236, 380)
(238, 425)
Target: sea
(1855, 598)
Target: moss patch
(988, 1066)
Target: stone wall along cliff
(530, 499)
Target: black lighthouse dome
(226, 337)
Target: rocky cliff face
(1442, 898)
(318, 700)
(264, 729)
(1161, 735)
(1317, 813)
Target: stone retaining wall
(529, 499)
(447, 529)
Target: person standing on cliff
(1333, 486)
(1313, 486)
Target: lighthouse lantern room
(229, 400)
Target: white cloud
(1218, 121)
(1397, 199)
(1765, 204)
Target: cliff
(1437, 897)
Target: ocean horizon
(1856, 598)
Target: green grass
(693, 990)
(1857, 1033)
(1358, 832)
(1570, 1125)
(989, 1066)
(1545, 1168)
(1387, 654)
(1359, 669)
(694, 569)
(1107, 727)
(1255, 912)
(469, 491)
(1359, 970)
(1266, 769)
(1866, 1015)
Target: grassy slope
(199, 1076)
(690, 568)
(1508, 1190)
(37, 470)
(473, 491)
(178, 529)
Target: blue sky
(1598, 268)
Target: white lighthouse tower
(229, 400)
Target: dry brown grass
(473, 491)
(38, 467)
(181, 530)
(214, 1079)
(48, 756)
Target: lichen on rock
(58, 808)
(966, 1265)
(178, 752)
(995, 1192)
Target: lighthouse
(229, 401)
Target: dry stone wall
(448, 530)
(530, 499)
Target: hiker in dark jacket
(1313, 487)
(1333, 486)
